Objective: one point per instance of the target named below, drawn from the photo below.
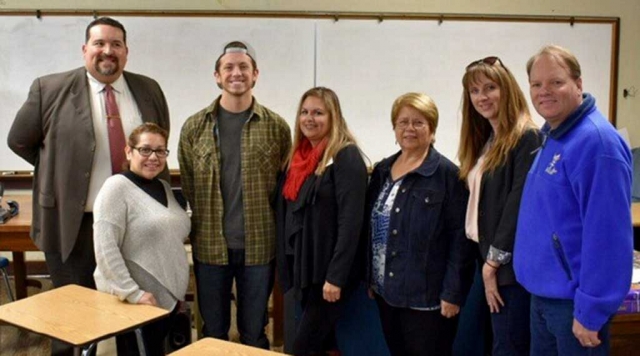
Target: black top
(322, 228)
(153, 187)
(500, 193)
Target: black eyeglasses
(146, 151)
(487, 60)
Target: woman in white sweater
(139, 234)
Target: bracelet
(492, 266)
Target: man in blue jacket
(574, 243)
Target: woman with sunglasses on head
(419, 259)
(139, 234)
(319, 214)
(498, 142)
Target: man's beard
(110, 70)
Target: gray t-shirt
(230, 134)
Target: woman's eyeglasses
(417, 124)
(146, 151)
(487, 60)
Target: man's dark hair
(105, 21)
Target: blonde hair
(514, 119)
(562, 55)
(421, 102)
(339, 135)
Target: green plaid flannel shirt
(266, 140)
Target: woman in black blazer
(320, 209)
(497, 146)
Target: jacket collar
(80, 94)
(426, 169)
(588, 104)
(139, 91)
(79, 81)
(143, 96)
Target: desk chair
(4, 263)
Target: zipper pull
(544, 141)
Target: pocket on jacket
(46, 200)
(425, 215)
(557, 244)
(430, 198)
(203, 162)
(268, 156)
(427, 201)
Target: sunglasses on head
(487, 60)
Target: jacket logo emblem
(551, 168)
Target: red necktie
(116, 134)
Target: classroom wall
(627, 10)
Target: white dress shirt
(130, 117)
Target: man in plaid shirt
(230, 154)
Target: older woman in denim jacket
(420, 263)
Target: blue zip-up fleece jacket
(574, 238)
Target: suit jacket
(53, 131)
(499, 203)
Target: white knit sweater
(139, 243)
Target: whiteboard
(367, 62)
(178, 52)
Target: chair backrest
(4, 263)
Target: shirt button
(404, 190)
(87, 174)
(393, 253)
(397, 210)
(394, 232)
(426, 200)
(391, 274)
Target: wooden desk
(625, 334)
(14, 237)
(77, 315)
(209, 346)
(635, 214)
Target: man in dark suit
(62, 131)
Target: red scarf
(303, 163)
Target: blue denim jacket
(428, 257)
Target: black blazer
(500, 193)
(328, 214)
